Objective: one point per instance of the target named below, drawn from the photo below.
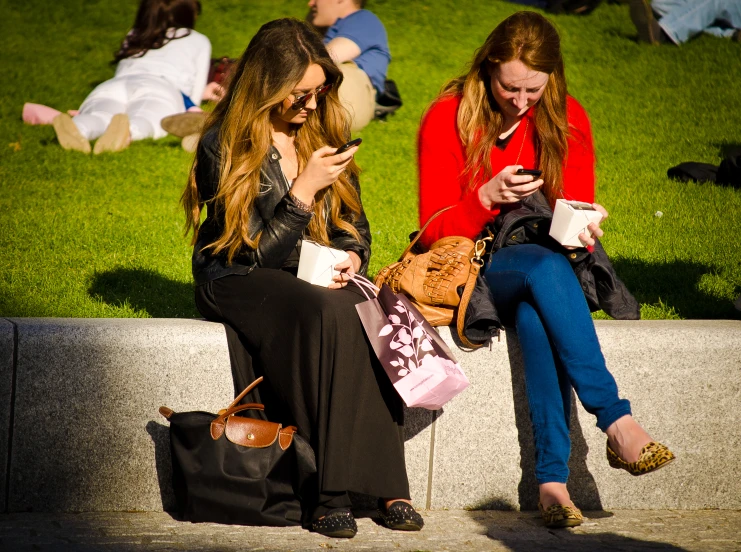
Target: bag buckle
(479, 250)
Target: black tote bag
(235, 469)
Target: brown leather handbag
(431, 279)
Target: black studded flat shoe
(652, 457)
(338, 524)
(401, 516)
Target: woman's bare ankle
(389, 501)
(554, 493)
(626, 437)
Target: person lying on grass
(162, 63)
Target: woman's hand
(213, 92)
(347, 269)
(594, 229)
(508, 187)
(322, 170)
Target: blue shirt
(366, 30)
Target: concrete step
(80, 430)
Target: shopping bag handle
(364, 283)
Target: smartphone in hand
(350, 144)
(535, 173)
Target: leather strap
(463, 305)
(249, 388)
(224, 414)
(421, 230)
(219, 423)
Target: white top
(184, 62)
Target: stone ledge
(87, 436)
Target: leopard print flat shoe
(558, 516)
(653, 456)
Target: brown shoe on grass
(116, 137)
(68, 135)
(184, 124)
(643, 18)
(190, 142)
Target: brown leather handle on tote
(219, 424)
(421, 230)
(249, 388)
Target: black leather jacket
(274, 213)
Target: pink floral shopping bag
(418, 362)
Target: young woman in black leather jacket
(267, 171)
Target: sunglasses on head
(301, 101)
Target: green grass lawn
(86, 236)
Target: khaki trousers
(357, 95)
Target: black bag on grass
(235, 469)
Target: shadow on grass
(145, 291)
(676, 285)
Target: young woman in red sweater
(512, 111)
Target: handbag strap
(476, 263)
(224, 414)
(421, 230)
(473, 273)
(218, 425)
(249, 388)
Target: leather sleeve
(279, 234)
(279, 231)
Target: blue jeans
(682, 19)
(536, 291)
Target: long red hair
(532, 39)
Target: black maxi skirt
(320, 372)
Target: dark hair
(153, 19)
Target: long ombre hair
(153, 19)
(274, 62)
(530, 38)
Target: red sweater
(441, 160)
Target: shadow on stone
(144, 290)
(674, 284)
(417, 419)
(582, 485)
(568, 541)
(495, 503)
(524, 532)
(160, 435)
